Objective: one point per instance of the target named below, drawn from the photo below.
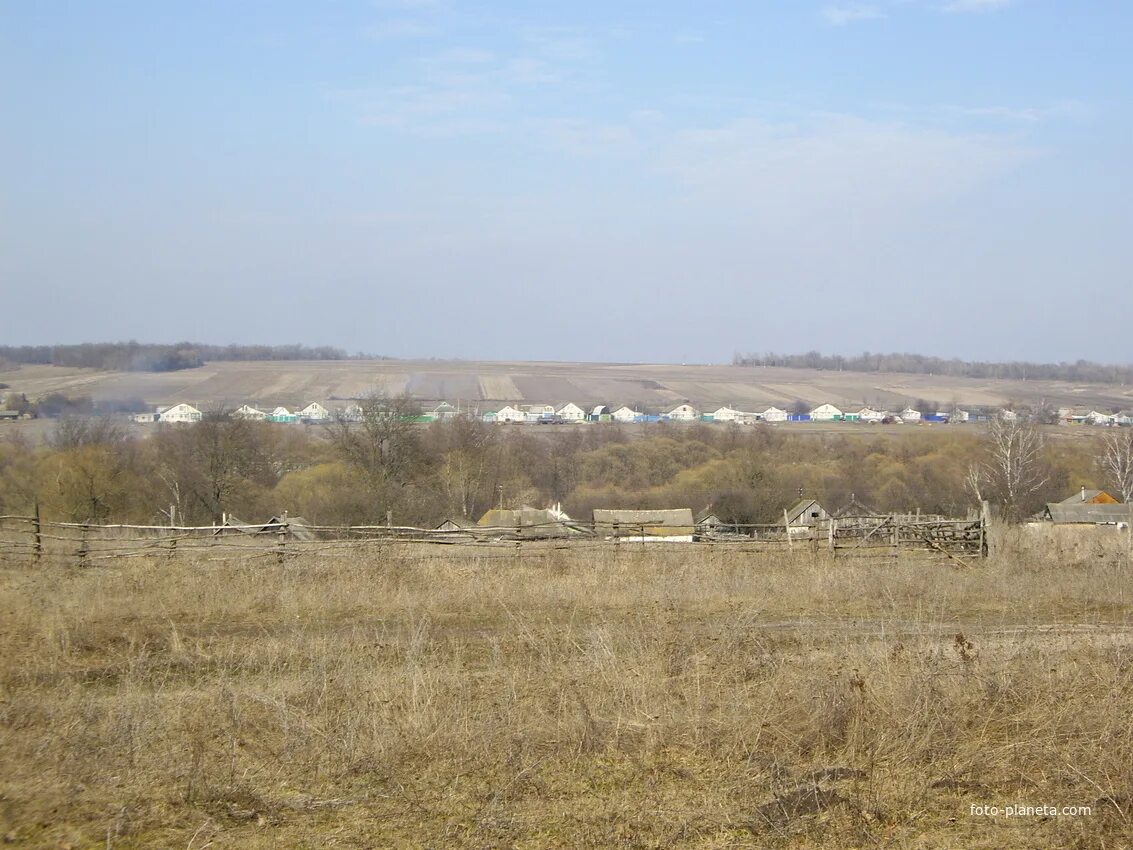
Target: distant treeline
(919, 364)
(143, 357)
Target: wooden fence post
(37, 531)
(83, 551)
(985, 515)
(281, 541)
(895, 536)
(831, 535)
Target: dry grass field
(491, 384)
(640, 697)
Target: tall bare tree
(1116, 461)
(1015, 469)
(381, 442)
(213, 466)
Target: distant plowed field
(650, 387)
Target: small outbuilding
(806, 513)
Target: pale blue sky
(601, 181)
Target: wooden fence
(32, 538)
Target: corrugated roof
(1098, 497)
(1087, 513)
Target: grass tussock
(652, 697)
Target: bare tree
(1116, 461)
(1015, 470)
(214, 466)
(382, 443)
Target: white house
(535, 412)
(958, 415)
(571, 412)
(1123, 418)
(625, 414)
(282, 411)
(145, 418)
(443, 412)
(1096, 417)
(774, 414)
(730, 414)
(314, 412)
(180, 413)
(246, 411)
(909, 415)
(684, 413)
(507, 413)
(868, 414)
(826, 413)
(1008, 415)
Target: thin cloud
(834, 162)
(962, 6)
(840, 16)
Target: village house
(684, 413)
(730, 414)
(625, 414)
(179, 413)
(1090, 497)
(774, 414)
(537, 412)
(910, 416)
(869, 414)
(1087, 513)
(314, 412)
(570, 412)
(509, 413)
(530, 523)
(1096, 417)
(282, 414)
(826, 413)
(640, 526)
(246, 411)
(442, 412)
